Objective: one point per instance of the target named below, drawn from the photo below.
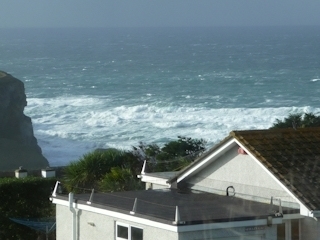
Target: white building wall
(96, 226)
(158, 186)
(89, 225)
(63, 223)
(248, 178)
(258, 232)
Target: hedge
(24, 198)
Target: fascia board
(315, 214)
(172, 228)
(155, 180)
(114, 214)
(211, 157)
(293, 216)
(225, 225)
(303, 209)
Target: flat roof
(195, 207)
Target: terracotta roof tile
(293, 156)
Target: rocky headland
(18, 146)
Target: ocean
(116, 87)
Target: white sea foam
(69, 127)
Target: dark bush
(24, 198)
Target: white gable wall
(248, 178)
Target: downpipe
(74, 217)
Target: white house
(255, 184)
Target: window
(295, 229)
(122, 232)
(125, 231)
(289, 230)
(281, 232)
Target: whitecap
(67, 127)
(315, 80)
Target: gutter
(315, 214)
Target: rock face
(18, 146)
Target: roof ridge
(306, 129)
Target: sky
(157, 13)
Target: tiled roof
(194, 207)
(292, 156)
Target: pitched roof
(292, 156)
(194, 207)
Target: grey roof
(194, 207)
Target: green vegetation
(120, 179)
(116, 170)
(89, 169)
(173, 156)
(24, 198)
(298, 120)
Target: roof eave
(204, 159)
(168, 225)
(148, 178)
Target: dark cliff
(18, 146)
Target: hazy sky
(136, 13)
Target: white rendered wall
(64, 223)
(90, 225)
(242, 172)
(157, 186)
(96, 226)
(242, 232)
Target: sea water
(102, 88)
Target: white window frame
(128, 226)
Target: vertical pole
(71, 208)
(91, 197)
(177, 216)
(288, 229)
(134, 209)
(54, 193)
(143, 170)
(280, 207)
